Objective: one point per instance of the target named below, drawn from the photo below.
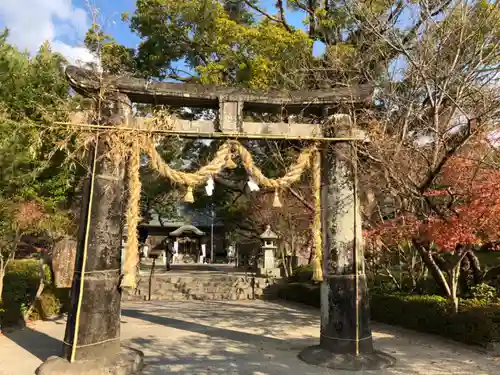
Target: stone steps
(179, 288)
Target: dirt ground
(241, 337)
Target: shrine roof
(141, 90)
(197, 221)
(187, 228)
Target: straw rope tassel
(316, 226)
(133, 217)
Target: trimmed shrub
(477, 322)
(20, 284)
(306, 293)
(385, 285)
(484, 292)
(421, 313)
(302, 274)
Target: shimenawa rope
(223, 159)
(132, 216)
(316, 224)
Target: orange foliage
(475, 216)
(470, 201)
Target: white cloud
(32, 22)
(72, 53)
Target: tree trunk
(293, 254)
(311, 255)
(312, 250)
(475, 266)
(451, 268)
(283, 260)
(411, 271)
(2, 274)
(3, 267)
(5, 262)
(454, 276)
(39, 291)
(434, 269)
(151, 273)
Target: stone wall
(203, 287)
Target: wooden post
(93, 327)
(346, 338)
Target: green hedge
(306, 293)
(477, 322)
(20, 284)
(302, 274)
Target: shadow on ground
(258, 339)
(255, 320)
(246, 338)
(37, 343)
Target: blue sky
(110, 12)
(64, 23)
(110, 18)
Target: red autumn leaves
(468, 202)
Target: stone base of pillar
(345, 319)
(269, 272)
(318, 356)
(129, 362)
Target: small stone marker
(63, 262)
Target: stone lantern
(268, 266)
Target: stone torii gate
(92, 337)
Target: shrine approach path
(240, 337)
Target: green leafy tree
(219, 42)
(33, 94)
(432, 62)
(33, 173)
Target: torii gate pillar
(346, 338)
(92, 339)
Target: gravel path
(243, 337)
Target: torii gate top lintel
(209, 96)
(231, 103)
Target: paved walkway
(244, 338)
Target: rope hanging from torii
(308, 158)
